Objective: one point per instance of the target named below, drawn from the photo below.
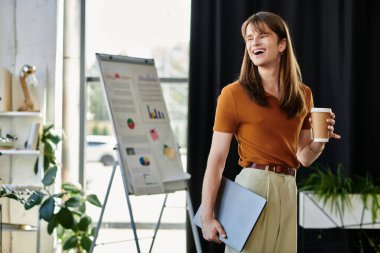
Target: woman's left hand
(331, 123)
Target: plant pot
(313, 213)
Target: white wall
(30, 33)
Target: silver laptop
(238, 210)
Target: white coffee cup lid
(315, 109)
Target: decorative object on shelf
(6, 93)
(34, 133)
(27, 78)
(16, 167)
(7, 142)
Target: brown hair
(292, 100)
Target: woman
(268, 111)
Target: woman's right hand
(211, 229)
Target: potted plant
(64, 211)
(329, 200)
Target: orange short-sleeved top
(265, 134)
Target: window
(146, 29)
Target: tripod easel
(189, 208)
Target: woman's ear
(282, 45)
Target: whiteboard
(147, 149)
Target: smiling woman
(267, 110)
(263, 45)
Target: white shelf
(18, 227)
(20, 114)
(19, 152)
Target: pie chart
(169, 152)
(144, 161)
(131, 123)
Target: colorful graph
(130, 123)
(154, 134)
(169, 152)
(155, 113)
(144, 161)
(130, 151)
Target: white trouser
(276, 229)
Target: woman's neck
(270, 80)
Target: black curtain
(337, 46)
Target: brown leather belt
(275, 168)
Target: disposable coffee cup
(319, 118)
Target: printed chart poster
(153, 106)
(125, 108)
(166, 151)
(147, 147)
(144, 172)
(134, 146)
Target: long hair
(292, 100)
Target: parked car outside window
(100, 148)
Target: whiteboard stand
(189, 208)
(93, 244)
(141, 123)
(194, 229)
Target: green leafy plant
(50, 139)
(329, 187)
(65, 211)
(336, 187)
(369, 192)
